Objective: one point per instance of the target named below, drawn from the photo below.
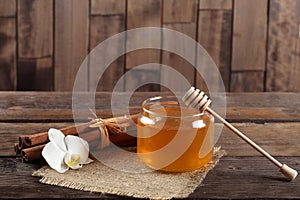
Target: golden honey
(172, 137)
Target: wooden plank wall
(215, 35)
(107, 19)
(254, 43)
(179, 16)
(249, 45)
(35, 45)
(8, 54)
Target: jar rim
(180, 103)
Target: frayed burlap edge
(195, 178)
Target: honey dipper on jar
(198, 99)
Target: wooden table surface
(270, 119)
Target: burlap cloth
(97, 177)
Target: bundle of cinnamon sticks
(119, 131)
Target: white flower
(62, 153)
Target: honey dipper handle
(288, 172)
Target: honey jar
(172, 137)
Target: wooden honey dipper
(198, 99)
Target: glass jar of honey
(172, 137)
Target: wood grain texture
(141, 77)
(57, 106)
(264, 37)
(249, 35)
(149, 15)
(214, 34)
(7, 8)
(20, 179)
(248, 177)
(232, 178)
(234, 114)
(10, 133)
(215, 4)
(35, 74)
(176, 11)
(179, 16)
(35, 28)
(239, 175)
(8, 76)
(263, 100)
(283, 68)
(71, 42)
(44, 74)
(142, 13)
(247, 81)
(103, 27)
(175, 61)
(107, 7)
(279, 139)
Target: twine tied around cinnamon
(105, 126)
(117, 125)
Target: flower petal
(78, 146)
(72, 160)
(55, 157)
(57, 137)
(87, 161)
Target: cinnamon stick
(32, 153)
(91, 135)
(39, 138)
(17, 148)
